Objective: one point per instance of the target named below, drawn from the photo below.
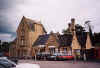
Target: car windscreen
(3, 60)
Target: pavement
(62, 64)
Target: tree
(78, 28)
(88, 24)
(66, 31)
(4, 47)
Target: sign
(51, 46)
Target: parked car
(14, 59)
(7, 63)
(1, 54)
(53, 56)
(42, 56)
(2, 66)
(65, 57)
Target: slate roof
(41, 40)
(32, 22)
(65, 40)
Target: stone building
(27, 33)
(32, 39)
(70, 43)
(47, 43)
(81, 40)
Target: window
(22, 37)
(22, 31)
(52, 50)
(65, 50)
(23, 43)
(25, 52)
(32, 27)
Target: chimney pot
(73, 20)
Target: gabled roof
(42, 39)
(31, 23)
(65, 40)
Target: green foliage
(4, 47)
(66, 31)
(78, 28)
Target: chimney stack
(73, 25)
(73, 20)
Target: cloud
(6, 37)
(54, 14)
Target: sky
(53, 14)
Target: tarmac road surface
(62, 64)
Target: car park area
(62, 64)
(53, 57)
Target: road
(63, 64)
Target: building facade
(27, 33)
(71, 43)
(47, 43)
(32, 39)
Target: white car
(7, 63)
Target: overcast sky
(54, 14)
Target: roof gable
(52, 40)
(30, 23)
(22, 25)
(75, 43)
(88, 42)
(65, 40)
